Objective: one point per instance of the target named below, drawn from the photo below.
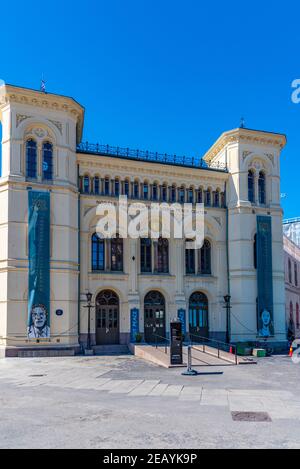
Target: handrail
(108, 150)
(166, 340)
(218, 342)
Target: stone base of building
(32, 352)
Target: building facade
(291, 229)
(50, 188)
(292, 286)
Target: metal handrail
(166, 340)
(108, 150)
(218, 346)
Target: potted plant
(138, 337)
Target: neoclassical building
(50, 256)
(292, 286)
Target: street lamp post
(89, 306)
(227, 299)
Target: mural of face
(266, 317)
(39, 317)
(265, 321)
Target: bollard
(189, 371)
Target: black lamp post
(227, 299)
(89, 306)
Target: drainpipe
(78, 256)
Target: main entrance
(107, 318)
(198, 315)
(154, 317)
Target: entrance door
(154, 317)
(107, 318)
(198, 316)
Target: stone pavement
(138, 404)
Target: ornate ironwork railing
(108, 150)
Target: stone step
(35, 353)
(114, 349)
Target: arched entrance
(154, 316)
(198, 315)
(107, 318)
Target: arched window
(145, 190)
(164, 193)
(117, 187)
(255, 252)
(262, 188)
(189, 260)
(31, 159)
(154, 191)
(173, 193)
(208, 198)
(126, 187)
(47, 161)
(200, 196)
(136, 189)
(296, 274)
(204, 264)
(86, 184)
(291, 312)
(297, 316)
(181, 195)
(106, 186)
(96, 185)
(98, 253)
(290, 270)
(251, 193)
(116, 257)
(217, 198)
(146, 257)
(191, 195)
(162, 256)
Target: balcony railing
(108, 150)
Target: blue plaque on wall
(134, 324)
(265, 321)
(181, 317)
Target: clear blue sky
(164, 75)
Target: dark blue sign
(265, 324)
(181, 317)
(39, 265)
(134, 324)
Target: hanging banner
(38, 325)
(181, 317)
(134, 324)
(265, 324)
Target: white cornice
(241, 135)
(13, 94)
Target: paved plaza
(125, 402)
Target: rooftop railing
(108, 150)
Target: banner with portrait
(38, 325)
(265, 321)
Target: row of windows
(261, 187)
(107, 255)
(154, 192)
(32, 160)
(290, 276)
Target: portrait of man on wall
(38, 327)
